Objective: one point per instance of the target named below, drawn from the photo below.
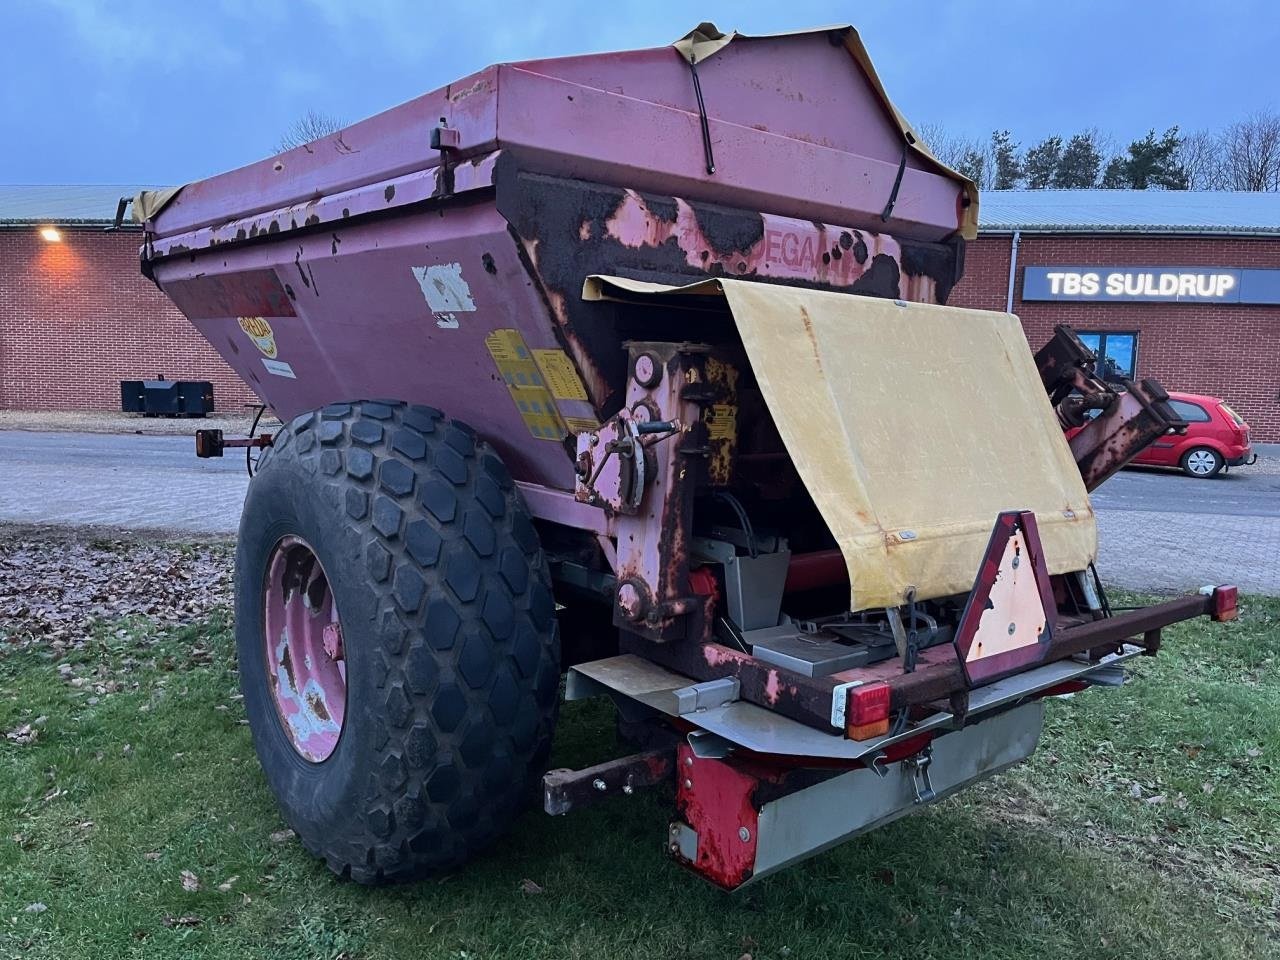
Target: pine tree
(1152, 164)
(1008, 165)
(973, 164)
(1078, 168)
(1042, 163)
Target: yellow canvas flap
(911, 425)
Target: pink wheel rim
(306, 663)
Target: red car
(1216, 437)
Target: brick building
(76, 317)
(1180, 286)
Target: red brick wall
(77, 317)
(1225, 350)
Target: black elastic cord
(248, 460)
(702, 118)
(897, 182)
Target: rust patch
(316, 703)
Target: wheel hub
(1200, 462)
(304, 650)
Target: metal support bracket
(705, 696)
(918, 766)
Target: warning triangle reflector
(1007, 622)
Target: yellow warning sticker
(581, 424)
(525, 384)
(722, 421)
(559, 373)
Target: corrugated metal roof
(62, 204)
(1130, 211)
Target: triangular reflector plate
(1007, 622)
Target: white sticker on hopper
(444, 289)
(279, 368)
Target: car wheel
(1201, 463)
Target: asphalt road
(136, 482)
(1252, 491)
(1158, 529)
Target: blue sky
(140, 91)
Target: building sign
(1158, 284)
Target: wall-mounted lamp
(50, 235)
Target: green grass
(1057, 858)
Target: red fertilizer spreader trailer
(635, 369)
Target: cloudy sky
(139, 91)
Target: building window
(1117, 352)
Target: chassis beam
(939, 676)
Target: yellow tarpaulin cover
(911, 425)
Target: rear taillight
(867, 714)
(1225, 607)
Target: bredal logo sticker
(261, 334)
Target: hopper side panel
(397, 308)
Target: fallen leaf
(190, 920)
(1155, 800)
(1253, 752)
(23, 735)
(34, 908)
(528, 886)
(152, 855)
(1135, 791)
(190, 882)
(225, 885)
(282, 836)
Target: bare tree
(1251, 152)
(1201, 156)
(968, 155)
(310, 126)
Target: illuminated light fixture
(50, 234)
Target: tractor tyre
(396, 636)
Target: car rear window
(1190, 412)
(1232, 414)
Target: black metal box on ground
(195, 397)
(132, 396)
(170, 398)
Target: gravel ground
(97, 421)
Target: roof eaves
(1148, 230)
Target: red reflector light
(1224, 604)
(868, 703)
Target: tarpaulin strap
(702, 118)
(907, 140)
(912, 652)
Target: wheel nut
(744, 834)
